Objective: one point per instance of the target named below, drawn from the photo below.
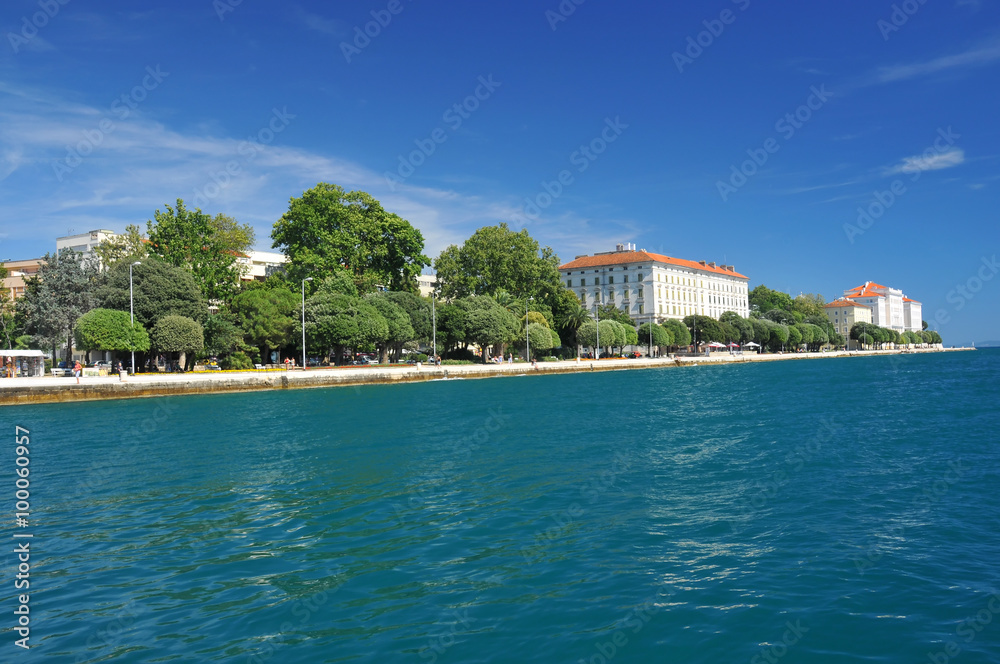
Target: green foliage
(338, 321)
(535, 318)
(128, 247)
(496, 259)
(456, 362)
(400, 329)
(780, 316)
(586, 335)
(631, 335)
(230, 235)
(540, 337)
(339, 281)
(57, 296)
(189, 239)
(743, 328)
(556, 341)
(222, 336)
(706, 328)
(763, 299)
(238, 361)
(487, 323)
(159, 290)
(661, 336)
(611, 312)
(679, 332)
(107, 329)
(327, 228)
(267, 317)
(177, 334)
(794, 336)
(612, 334)
(418, 309)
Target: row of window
(673, 279)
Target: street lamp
(527, 337)
(304, 321)
(434, 331)
(131, 313)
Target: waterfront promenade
(14, 391)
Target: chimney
(702, 263)
(711, 264)
(619, 247)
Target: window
(569, 283)
(640, 309)
(640, 277)
(611, 279)
(597, 281)
(626, 278)
(638, 293)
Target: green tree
(498, 259)
(178, 334)
(7, 310)
(612, 334)
(742, 326)
(780, 316)
(267, 317)
(706, 328)
(611, 312)
(763, 299)
(230, 235)
(678, 331)
(418, 309)
(159, 290)
(487, 324)
(661, 337)
(188, 239)
(398, 321)
(128, 247)
(107, 329)
(794, 337)
(571, 321)
(586, 334)
(327, 228)
(451, 324)
(57, 295)
(337, 322)
(223, 337)
(541, 338)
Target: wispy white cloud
(975, 57)
(935, 162)
(319, 23)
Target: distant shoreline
(24, 391)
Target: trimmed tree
(110, 330)
(178, 334)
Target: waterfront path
(14, 391)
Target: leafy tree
(400, 329)
(923, 324)
(223, 337)
(7, 310)
(487, 323)
(498, 259)
(805, 331)
(661, 336)
(189, 239)
(556, 341)
(780, 316)
(534, 317)
(762, 299)
(586, 334)
(337, 321)
(128, 247)
(678, 331)
(107, 329)
(159, 290)
(267, 317)
(612, 334)
(744, 330)
(779, 336)
(231, 236)
(328, 228)
(177, 334)
(540, 336)
(794, 336)
(810, 304)
(611, 312)
(571, 321)
(707, 328)
(935, 337)
(57, 295)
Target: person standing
(77, 370)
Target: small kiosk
(22, 363)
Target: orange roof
(843, 303)
(906, 299)
(867, 293)
(620, 257)
(867, 286)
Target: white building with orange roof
(649, 286)
(890, 308)
(844, 313)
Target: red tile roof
(843, 303)
(906, 299)
(867, 293)
(622, 257)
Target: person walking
(77, 370)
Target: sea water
(840, 510)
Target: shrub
(238, 361)
(463, 354)
(419, 357)
(549, 358)
(455, 362)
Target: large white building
(84, 243)
(890, 308)
(650, 286)
(259, 265)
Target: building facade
(84, 243)
(259, 265)
(844, 313)
(890, 308)
(654, 287)
(17, 272)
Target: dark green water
(817, 511)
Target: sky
(814, 146)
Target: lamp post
(527, 337)
(434, 330)
(304, 321)
(131, 313)
(651, 319)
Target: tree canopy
(327, 228)
(177, 334)
(57, 296)
(159, 289)
(108, 329)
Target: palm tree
(574, 320)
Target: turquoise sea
(843, 510)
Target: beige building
(890, 307)
(844, 313)
(649, 286)
(17, 272)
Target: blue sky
(619, 123)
